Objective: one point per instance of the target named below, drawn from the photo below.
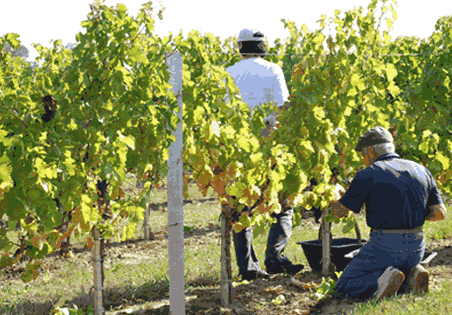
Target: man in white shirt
(261, 81)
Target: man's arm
(437, 213)
(270, 122)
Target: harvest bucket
(339, 248)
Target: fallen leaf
(279, 299)
(310, 285)
(275, 289)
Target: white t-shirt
(259, 81)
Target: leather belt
(401, 231)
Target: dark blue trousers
(278, 238)
(402, 251)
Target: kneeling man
(400, 195)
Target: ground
(202, 294)
(206, 299)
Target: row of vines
(94, 113)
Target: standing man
(399, 196)
(260, 81)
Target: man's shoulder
(270, 65)
(403, 164)
(367, 172)
(259, 64)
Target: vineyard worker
(260, 81)
(399, 196)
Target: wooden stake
(98, 278)
(326, 243)
(358, 232)
(148, 235)
(226, 270)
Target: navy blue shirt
(397, 193)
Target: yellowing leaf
(108, 15)
(121, 7)
(198, 115)
(256, 158)
(391, 71)
(138, 54)
(128, 140)
(443, 159)
(279, 300)
(426, 133)
(243, 143)
(128, 231)
(254, 144)
(389, 23)
(352, 92)
(69, 163)
(318, 112)
(274, 289)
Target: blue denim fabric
(402, 251)
(278, 238)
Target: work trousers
(402, 251)
(278, 238)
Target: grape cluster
(49, 104)
(102, 188)
(102, 192)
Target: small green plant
(327, 287)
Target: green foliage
(103, 123)
(327, 287)
(109, 112)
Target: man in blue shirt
(399, 196)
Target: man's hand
(437, 213)
(271, 122)
(338, 209)
(266, 131)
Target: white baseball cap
(250, 35)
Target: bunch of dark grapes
(102, 188)
(102, 192)
(49, 104)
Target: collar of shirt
(387, 156)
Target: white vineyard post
(175, 198)
(97, 264)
